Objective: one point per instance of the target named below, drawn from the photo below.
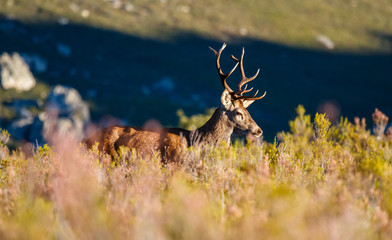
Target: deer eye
(240, 115)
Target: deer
(232, 115)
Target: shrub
(317, 181)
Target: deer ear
(247, 103)
(226, 99)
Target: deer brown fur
(172, 142)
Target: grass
(316, 181)
(352, 25)
(38, 93)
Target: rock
(36, 130)
(15, 73)
(166, 84)
(64, 50)
(129, 7)
(20, 127)
(183, 8)
(74, 7)
(19, 104)
(326, 41)
(243, 31)
(117, 4)
(35, 62)
(85, 13)
(65, 113)
(63, 21)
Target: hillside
(147, 59)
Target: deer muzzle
(257, 132)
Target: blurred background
(126, 62)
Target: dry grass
(319, 182)
(353, 25)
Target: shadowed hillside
(137, 79)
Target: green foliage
(4, 137)
(44, 151)
(194, 121)
(39, 93)
(322, 125)
(312, 179)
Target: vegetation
(317, 181)
(7, 97)
(353, 25)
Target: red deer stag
(171, 142)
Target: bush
(316, 181)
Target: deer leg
(109, 143)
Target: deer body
(172, 142)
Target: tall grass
(315, 182)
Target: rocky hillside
(137, 60)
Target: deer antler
(239, 95)
(223, 76)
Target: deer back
(169, 142)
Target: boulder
(65, 113)
(15, 73)
(36, 63)
(20, 127)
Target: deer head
(234, 103)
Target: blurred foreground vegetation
(317, 181)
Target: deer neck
(217, 129)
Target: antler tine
(246, 90)
(223, 76)
(244, 80)
(251, 98)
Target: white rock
(326, 41)
(75, 8)
(129, 7)
(117, 4)
(85, 13)
(65, 113)
(62, 20)
(243, 31)
(183, 8)
(15, 73)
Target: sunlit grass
(352, 25)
